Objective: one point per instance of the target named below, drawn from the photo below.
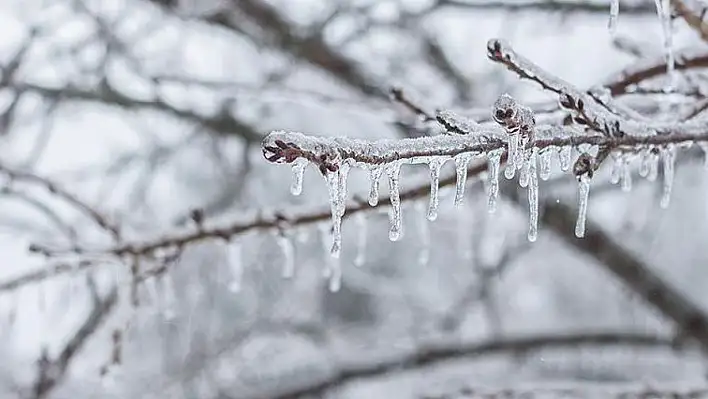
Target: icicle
(663, 10)
(653, 167)
(564, 157)
(335, 275)
(533, 198)
(461, 163)
(583, 193)
(424, 231)
(512, 148)
(374, 177)
(494, 160)
(645, 163)
(545, 160)
(525, 164)
(626, 175)
(235, 261)
(342, 187)
(668, 156)
(288, 250)
(393, 171)
(333, 185)
(435, 166)
(361, 227)
(614, 15)
(298, 174)
(704, 147)
(616, 173)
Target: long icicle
(394, 171)
(512, 149)
(334, 197)
(461, 163)
(583, 194)
(374, 177)
(434, 166)
(494, 161)
(668, 156)
(533, 198)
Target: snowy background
(146, 112)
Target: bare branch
(425, 357)
(689, 318)
(52, 371)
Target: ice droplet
(644, 165)
(583, 194)
(626, 177)
(374, 177)
(616, 172)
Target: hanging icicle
(668, 156)
(434, 166)
(494, 161)
(333, 185)
(614, 15)
(461, 164)
(545, 161)
(393, 171)
(533, 198)
(512, 149)
(583, 194)
(299, 166)
(374, 177)
(564, 157)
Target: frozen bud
(504, 109)
(585, 164)
(526, 121)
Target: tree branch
(424, 357)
